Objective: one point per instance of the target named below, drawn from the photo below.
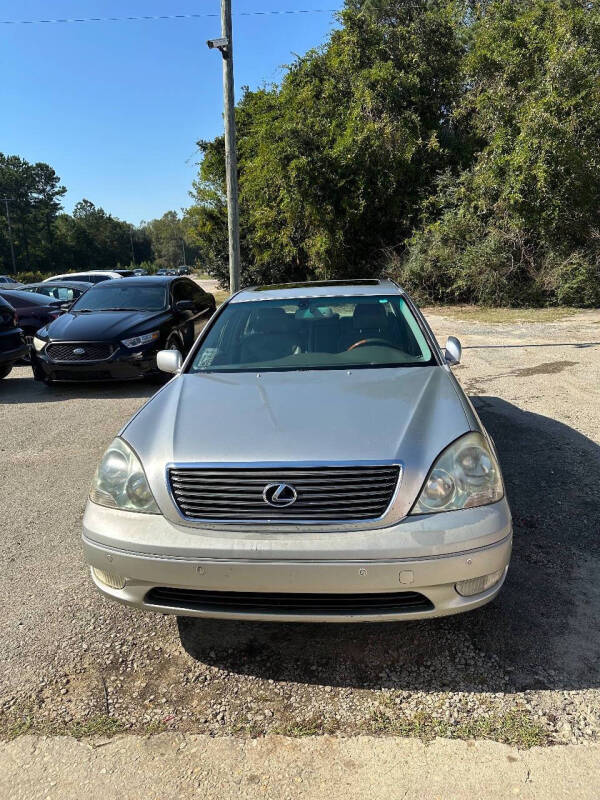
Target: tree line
(452, 145)
(45, 239)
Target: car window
(314, 333)
(122, 296)
(63, 293)
(198, 294)
(182, 290)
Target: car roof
(142, 280)
(65, 275)
(59, 282)
(353, 288)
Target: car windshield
(313, 333)
(122, 297)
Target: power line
(156, 17)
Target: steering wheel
(374, 340)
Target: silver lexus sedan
(313, 459)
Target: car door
(203, 307)
(184, 319)
(198, 314)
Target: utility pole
(225, 47)
(132, 250)
(184, 262)
(10, 239)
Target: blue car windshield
(313, 333)
(129, 297)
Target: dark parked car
(115, 330)
(183, 270)
(12, 342)
(63, 291)
(33, 311)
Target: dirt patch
(549, 368)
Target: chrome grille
(65, 351)
(324, 494)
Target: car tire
(26, 360)
(38, 375)
(174, 343)
(5, 370)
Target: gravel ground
(523, 670)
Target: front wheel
(174, 343)
(5, 370)
(26, 359)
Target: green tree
(35, 196)
(521, 223)
(333, 162)
(169, 239)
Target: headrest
(369, 315)
(270, 320)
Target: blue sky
(116, 108)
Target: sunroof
(309, 284)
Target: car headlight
(120, 481)
(138, 341)
(38, 344)
(466, 474)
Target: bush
(32, 276)
(575, 281)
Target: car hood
(408, 415)
(100, 326)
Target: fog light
(109, 578)
(478, 585)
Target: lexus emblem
(279, 494)
(79, 351)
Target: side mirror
(184, 305)
(453, 351)
(169, 360)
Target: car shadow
(542, 631)
(20, 387)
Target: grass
(515, 728)
(98, 725)
(502, 315)
(158, 726)
(220, 296)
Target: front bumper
(484, 548)
(123, 365)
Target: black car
(63, 291)
(33, 311)
(115, 330)
(12, 342)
